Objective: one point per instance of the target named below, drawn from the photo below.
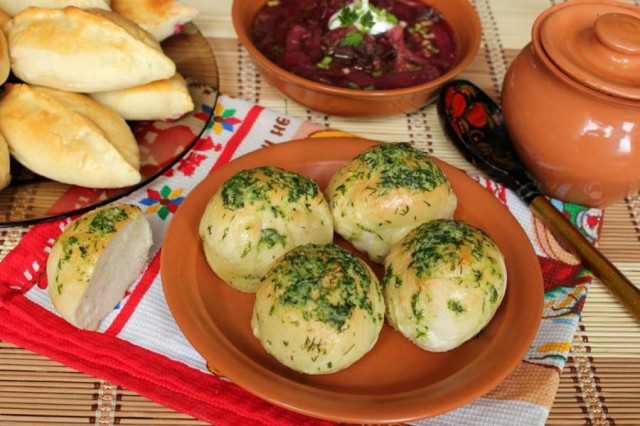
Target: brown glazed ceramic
(571, 101)
(396, 381)
(359, 103)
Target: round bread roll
(83, 50)
(158, 100)
(443, 283)
(53, 134)
(385, 192)
(319, 309)
(94, 260)
(256, 216)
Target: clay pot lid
(597, 44)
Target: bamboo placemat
(599, 383)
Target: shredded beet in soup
(368, 45)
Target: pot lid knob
(619, 31)
(596, 43)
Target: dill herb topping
(269, 237)
(449, 242)
(105, 220)
(390, 278)
(455, 306)
(252, 186)
(418, 314)
(401, 166)
(326, 281)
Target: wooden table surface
(599, 385)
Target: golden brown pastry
(5, 162)
(53, 140)
(385, 192)
(83, 50)
(4, 18)
(443, 283)
(256, 216)
(159, 100)
(319, 309)
(114, 128)
(5, 62)
(162, 18)
(94, 260)
(13, 7)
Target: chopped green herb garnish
(415, 300)
(269, 237)
(455, 306)
(325, 281)
(105, 220)
(324, 63)
(255, 185)
(347, 16)
(352, 39)
(367, 20)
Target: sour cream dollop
(365, 17)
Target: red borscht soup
(367, 45)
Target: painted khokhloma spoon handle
(623, 289)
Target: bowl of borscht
(358, 58)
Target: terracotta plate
(394, 382)
(31, 198)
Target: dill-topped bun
(256, 216)
(319, 309)
(95, 259)
(385, 192)
(443, 283)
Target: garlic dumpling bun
(319, 309)
(443, 283)
(385, 192)
(256, 216)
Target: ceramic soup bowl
(350, 102)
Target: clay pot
(361, 103)
(571, 101)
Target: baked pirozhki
(52, 140)
(162, 18)
(385, 192)
(95, 259)
(83, 50)
(111, 124)
(256, 216)
(5, 164)
(443, 283)
(158, 100)
(13, 7)
(319, 309)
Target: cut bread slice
(52, 140)
(95, 260)
(83, 50)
